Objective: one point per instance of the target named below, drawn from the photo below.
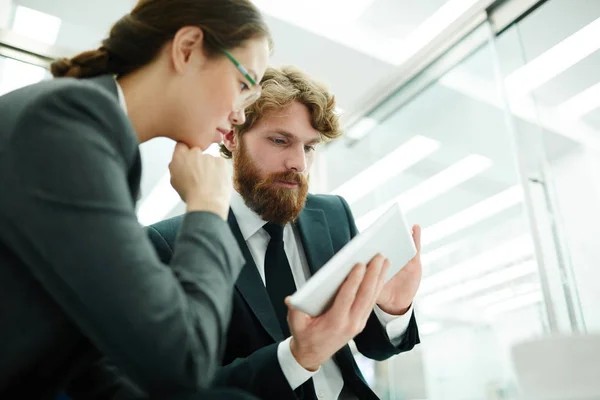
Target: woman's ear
(187, 41)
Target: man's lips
(289, 184)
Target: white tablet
(389, 235)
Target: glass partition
(447, 157)
(550, 63)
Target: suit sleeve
(373, 342)
(71, 219)
(260, 373)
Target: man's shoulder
(325, 202)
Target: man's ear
(230, 141)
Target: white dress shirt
(327, 379)
(121, 97)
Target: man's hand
(316, 339)
(398, 293)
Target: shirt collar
(248, 221)
(121, 95)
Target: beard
(273, 203)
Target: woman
(78, 276)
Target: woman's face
(210, 90)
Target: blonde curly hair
(280, 87)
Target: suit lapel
(315, 236)
(252, 288)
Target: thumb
(416, 234)
(296, 319)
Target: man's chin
(283, 207)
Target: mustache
(287, 176)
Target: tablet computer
(389, 235)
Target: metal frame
(553, 325)
(501, 17)
(22, 48)
(505, 13)
(439, 56)
(420, 61)
(412, 88)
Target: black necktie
(278, 274)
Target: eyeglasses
(249, 96)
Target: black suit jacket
(78, 275)
(325, 224)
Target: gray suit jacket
(78, 275)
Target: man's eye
(244, 86)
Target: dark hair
(281, 86)
(136, 39)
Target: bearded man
(286, 235)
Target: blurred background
(480, 117)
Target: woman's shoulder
(96, 93)
(86, 104)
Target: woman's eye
(244, 86)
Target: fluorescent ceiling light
(390, 166)
(555, 60)
(361, 128)
(581, 104)
(437, 185)
(505, 294)
(477, 285)
(337, 21)
(486, 91)
(305, 14)
(36, 25)
(5, 13)
(16, 74)
(439, 253)
(432, 27)
(472, 215)
(515, 303)
(503, 254)
(163, 198)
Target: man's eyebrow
(291, 136)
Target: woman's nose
(238, 117)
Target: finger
(383, 275)
(345, 296)
(297, 320)
(416, 234)
(367, 290)
(180, 147)
(380, 284)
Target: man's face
(272, 161)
